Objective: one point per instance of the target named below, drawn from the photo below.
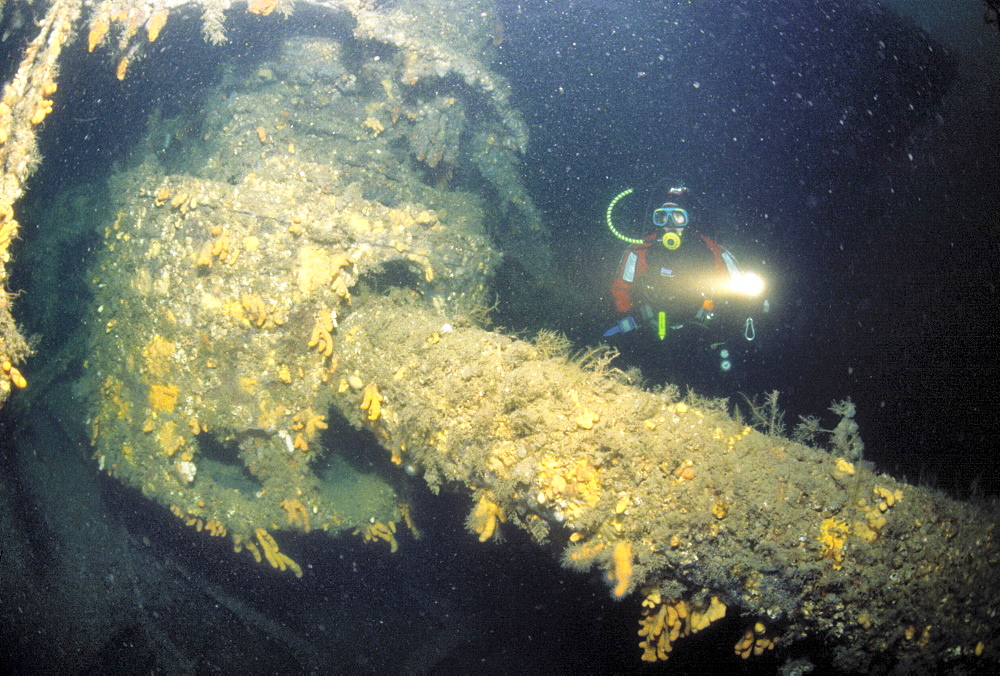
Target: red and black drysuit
(681, 282)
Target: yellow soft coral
(754, 642)
(262, 7)
(833, 536)
(255, 309)
(13, 374)
(372, 402)
(44, 108)
(170, 438)
(587, 419)
(886, 498)
(215, 528)
(844, 466)
(321, 338)
(380, 531)
(309, 422)
(297, 513)
(701, 617)
(578, 484)
(273, 556)
(158, 354)
(484, 517)
(581, 556)
(163, 397)
(316, 268)
(621, 572)
(8, 224)
(870, 529)
(155, 24)
(404, 509)
(663, 622)
(374, 124)
(98, 30)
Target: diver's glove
(624, 326)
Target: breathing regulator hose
(611, 226)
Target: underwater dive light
(748, 283)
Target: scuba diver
(679, 286)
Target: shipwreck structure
(318, 241)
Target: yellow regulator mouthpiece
(671, 240)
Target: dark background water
(840, 150)
(836, 148)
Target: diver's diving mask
(670, 216)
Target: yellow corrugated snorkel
(670, 240)
(611, 226)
